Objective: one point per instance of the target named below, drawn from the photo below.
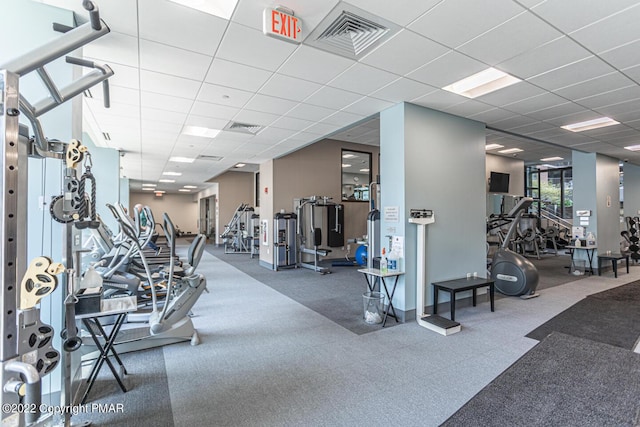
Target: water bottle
(393, 261)
(384, 268)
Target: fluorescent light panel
(510, 151)
(167, 180)
(221, 8)
(364, 170)
(591, 124)
(492, 146)
(348, 156)
(481, 83)
(148, 185)
(172, 173)
(633, 147)
(346, 165)
(190, 186)
(160, 191)
(240, 165)
(185, 190)
(179, 159)
(149, 189)
(551, 159)
(200, 131)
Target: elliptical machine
(514, 275)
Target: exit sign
(282, 25)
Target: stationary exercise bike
(514, 275)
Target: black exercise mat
(562, 381)
(604, 320)
(625, 293)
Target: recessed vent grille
(243, 128)
(350, 32)
(210, 158)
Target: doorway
(207, 220)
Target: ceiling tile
(363, 79)
(615, 110)
(513, 122)
(595, 86)
(292, 123)
(342, 118)
(633, 73)
(332, 98)
(165, 102)
(610, 98)
(207, 109)
(163, 115)
(623, 56)
(453, 23)
(223, 95)
(315, 65)
(571, 74)
(121, 95)
(176, 25)
(172, 60)
(447, 69)
(367, 106)
(322, 129)
(556, 111)
(554, 54)
(403, 90)
(403, 11)
(535, 103)
(168, 85)
(468, 108)
(416, 51)
(570, 15)
(619, 29)
(440, 99)
(114, 48)
(514, 37)
(255, 117)
(270, 104)
(206, 122)
(250, 47)
(163, 126)
(289, 87)
(310, 112)
(239, 76)
(492, 115)
(116, 109)
(511, 94)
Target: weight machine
(240, 233)
(310, 235)
(26, 351)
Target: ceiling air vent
(243, 128)
(210, 158)
(350, 31)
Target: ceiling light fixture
(185, 190)
(240, 165)
(481, 83)
(348, 155)
(172, 173)
(221, 8)
(591, 124)
(181, 159)
(633, 147)
(167, 180)
(148, 185)
(160, 192)
(148, 189)
(346, 165)
(364, 170)
(551, 159)
(200, 131)
(510, 151)
(190, 186)
(492, 146)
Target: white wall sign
(583, 213)
(282, 25)
(391, 214)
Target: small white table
(379, 276)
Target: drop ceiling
(176, 67)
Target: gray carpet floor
(146, 403)
(337, 296)
(563, 381)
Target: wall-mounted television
(499, 182)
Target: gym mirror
(356, 175)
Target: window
(257, 186)
(356, 175)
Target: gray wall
(631, 190)
(594, 171)
(443, 159)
